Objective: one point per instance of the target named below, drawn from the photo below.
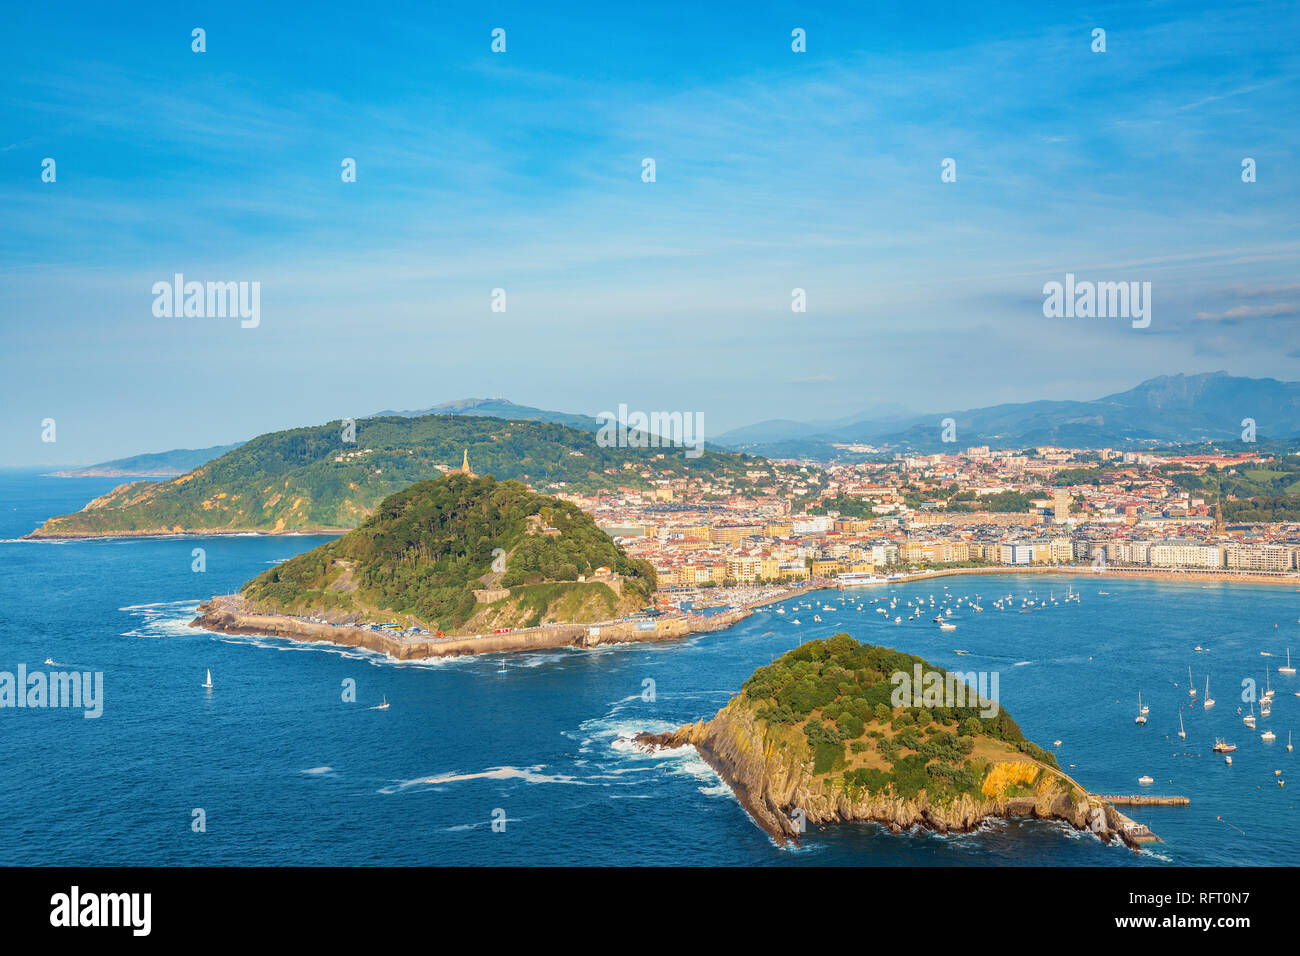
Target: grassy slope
(290, 480)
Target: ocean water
(286, 772)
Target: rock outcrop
(781, 792)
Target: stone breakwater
(775, 790)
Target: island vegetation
(426, 551)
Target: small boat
(794, 620)
(817, 617)
(1191, 688)
(1288, 669)
(208, 683)
(49, 661)
(1228, 760)
(1268, 736)
(945, 626)
(1249, 719)
(1056, 743)
(1288, 740)
(1221, 747)
(383, 706)
(1181, 732)
(1142, 707)
(1198, 648)
(1209, 701)
(1145, 780)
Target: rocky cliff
(777, 786)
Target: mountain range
(1167, 410)
(1170, 409)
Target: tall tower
(464, 465)
(1218, 517)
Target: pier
(1144, 800)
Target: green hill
(309, 479)
(420, 557)
(835, 731)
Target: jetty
(1144, 800)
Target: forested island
(457, 555)
(814, 738)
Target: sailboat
(1191, 688)
(1209, 701)
(1288, 740)
(1268, 691)
(1142, 707)
(208, 682)
(384, 705)
(1249, 719)
(1141, 718)
(1268, 736)
(1288, 669)
(503, 666)
(1181, 732)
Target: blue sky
(521, 171)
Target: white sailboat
(208, 683)
(1288, 740)
(1191, 688)
(1181, 732)
(1209, 701)
(1249, 719)
(1268, 736)
(1141, 718)
(1288, 669)
(384, 705)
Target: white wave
(319, 770)
(532, 775)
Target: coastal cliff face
(774, 784)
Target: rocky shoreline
(228, 614)
(776, 792)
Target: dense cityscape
(1046, 506)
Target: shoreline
(215, 532)
(1111, 571)
(226, 614)
(771, 793)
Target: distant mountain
(163, 464)
(310, 479)
(499, 408)
(1170, 409)
(783, 429)
(428, 548)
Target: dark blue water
(288, 773)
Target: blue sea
(286, 772)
